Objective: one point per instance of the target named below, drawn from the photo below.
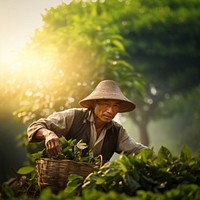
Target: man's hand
(53, 144)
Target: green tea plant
(143, 172)
(140, 176)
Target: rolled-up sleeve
(58, 122)
(127, 144)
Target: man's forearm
(41, 134)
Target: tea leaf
(164, 156)
(73, 185)
(81, 145)
(26, 170)
(186, 154)
(39, 154)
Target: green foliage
(156, 41)
(185, 192)
(140, 176)
(74, 184)
(77, 47)
(72, 150)
(26, 170)
(133, 172)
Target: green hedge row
(138, 177)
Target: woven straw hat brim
(108, 90)
(125, 106)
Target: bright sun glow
(7, 56)
(18, 22)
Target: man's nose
(110, 109)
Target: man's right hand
(53, 144)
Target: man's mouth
(107, 116)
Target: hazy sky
(18, 20)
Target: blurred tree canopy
(78, 46)
(164, 47)
(150, 47)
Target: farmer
(93, 124)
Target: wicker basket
(54, 173)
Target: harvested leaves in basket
(72, 150)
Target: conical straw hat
(108, 89)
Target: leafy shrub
(140, 176)
(131, 173)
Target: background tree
(84, 42)
(78, 46)
(163, 44)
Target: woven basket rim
(63, 160)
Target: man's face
(105, 110)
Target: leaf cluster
(138, 176)
(142, 172)
(72, 150)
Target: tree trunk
(144, 135)
(142, 117)
(142, 126)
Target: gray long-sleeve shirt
(61, 122)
